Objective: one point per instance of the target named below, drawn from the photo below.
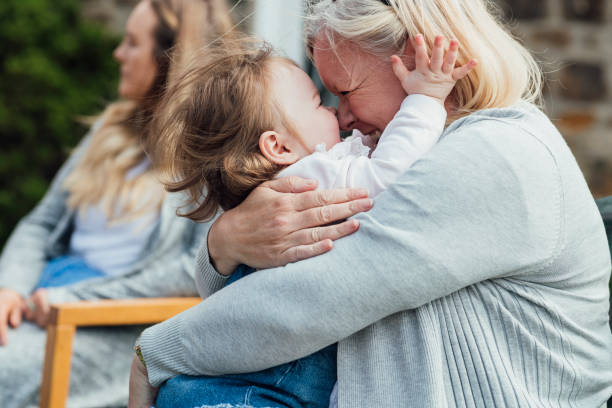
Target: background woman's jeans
(66, 270)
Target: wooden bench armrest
(119, 312)
(66, 317)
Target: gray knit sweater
(101, 356)
(479, 279)
(165, 267)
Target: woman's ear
(408, 55)
(275, 148)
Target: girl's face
(370, 94)
(135, 53)
(299, 98)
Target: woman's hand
(283, 221)
(142, 393)
(38, 308)
(12, 306)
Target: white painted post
(280, 22)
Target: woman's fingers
(319, 216)
(298, 253)
(291, 184)
(42, 307)
(313, 235)
(9, 302)
(321, 198)
(437, 54)
(451, 57)
(15, 317)
(4, 312)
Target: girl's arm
(414, 130)
(484, 204)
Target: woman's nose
(346, 119)
(332, 110)
(118, 53)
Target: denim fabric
(306, 382)
(65, 270)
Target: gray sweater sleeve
(23, 256)
(208, 280)
(484, 203)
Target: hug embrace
(477, 279)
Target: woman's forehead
(342, 63)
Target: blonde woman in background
(105, 229)
(478, 279)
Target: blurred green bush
(54, 67)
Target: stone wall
(112, 13)
(573, 40)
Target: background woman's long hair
(101, 176)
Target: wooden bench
(64, 320)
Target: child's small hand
(435, 77)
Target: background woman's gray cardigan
(102, 356)
(479, 279)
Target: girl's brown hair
(119, 143)
(209, 125)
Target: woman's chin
(125, 92)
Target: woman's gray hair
(506, 72)
(370, 23)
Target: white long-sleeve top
(414, 130)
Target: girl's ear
(275, 148)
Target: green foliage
(54, 67)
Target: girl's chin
(375, 135)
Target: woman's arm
(485, 203)
(282, 221)
(23, 257)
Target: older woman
(478, 279)
(107, 217)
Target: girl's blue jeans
(304, 383)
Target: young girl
(247, 116)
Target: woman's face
(369, 92)
(135, 53)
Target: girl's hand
(435, 77)
(283, 221)
(12, 307)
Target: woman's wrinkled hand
(12, 306)
(142, 393)
(284, 221)
(38, 308)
